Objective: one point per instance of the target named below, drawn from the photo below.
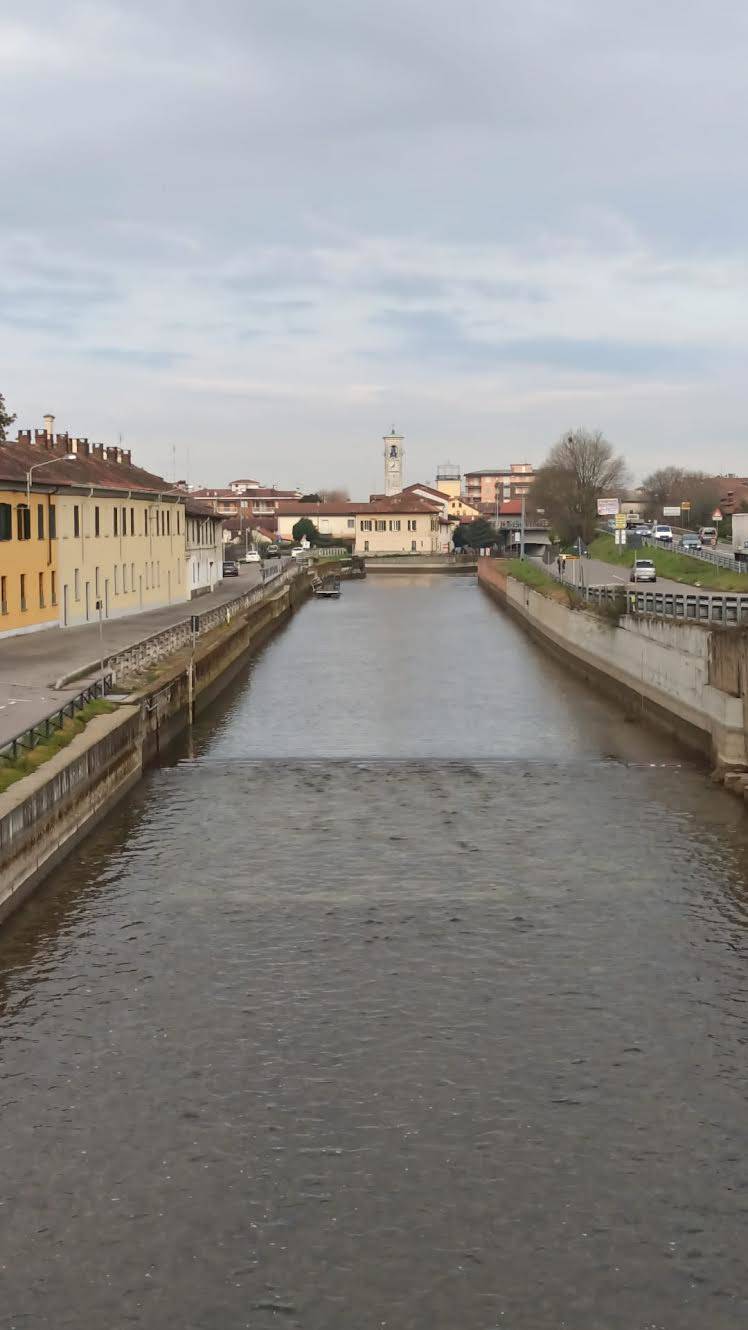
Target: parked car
(643, 571)
(272, 552)
(689, 542)
(298, 552)
(251, 556)
(230, 568)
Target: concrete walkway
(30, 663)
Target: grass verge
(678, 567)
(32, 759)
(534, 576)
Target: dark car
(272, 552)
(230, 569)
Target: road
(598, 573)
(30, 663)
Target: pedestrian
(563, 565)
(558, 565)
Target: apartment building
(248, 501)
(204, 549)
(85, 525)
(512, 482)
(336, 520)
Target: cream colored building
(401, 524)
(127, 551)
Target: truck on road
(740, 536)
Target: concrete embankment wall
(658, 668)
(44, 815)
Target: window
(97, 526)
(145, 521)
(380, 526)
(132, 521)
(23, 522)
(397, 523)
(3, 595)
(168, 522)
(414, 544)
(351, 521)
(97, 582)
(53, 596)
(179, 523)
(52, 525)
(116, 579)
(124, 577)
(39, 521)
(6, 523)
(23, 591)
(41, 591)
(366, 525)
(412, 523)
(366, 545)
(147, 579)
(158, 572)
(77, 583)
(76, 520)
(116, 521)
(132, 576)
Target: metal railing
(38, 733)
(714, 607)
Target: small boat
(327, 588)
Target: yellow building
(112, 532)
(28, 566)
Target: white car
(663, 533)
(298, 552)
(643, 571)
(251, 556)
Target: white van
(663, 535)
(708, 536)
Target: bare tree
(579, 469)
(338, 495)
(673, 485)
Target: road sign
(671, 511)
(607, 507)
(686, 503)
(620, 521)
(717, 515)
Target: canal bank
(45, 815)
(681, 676)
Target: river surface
(413, 994)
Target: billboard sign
(671, 511)
(607, 507)
(620, 521)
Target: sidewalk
(30, 663)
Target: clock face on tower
(392, 463)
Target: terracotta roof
(101, 472)
(196, 508)
(400, 503)
(440, 494)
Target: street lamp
(69, 457)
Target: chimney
(49, 425)
(111, 454)
(40, 437)
(98, 451)
(24, 436)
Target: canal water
(413, 994)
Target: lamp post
(69, 457)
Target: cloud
(329, 213)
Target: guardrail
(38, 733)
(725, 607)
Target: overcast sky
(263, 231)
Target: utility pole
(522, 531)
(100, 608)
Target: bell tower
(394, 460)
